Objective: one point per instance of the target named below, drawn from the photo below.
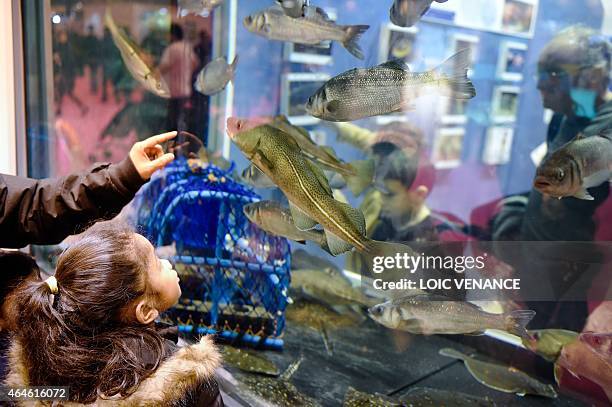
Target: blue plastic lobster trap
(234, 276)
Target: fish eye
(239, 125)
(560, 175)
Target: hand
(148, 155)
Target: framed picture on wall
(498, 145)
(296, 89)
(320, 54)
(511, 62)
(448, 147)
(518, 16)
(453, 110)
(396, 43)
(505, 104)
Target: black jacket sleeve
(47, 211)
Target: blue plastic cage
(234, 276)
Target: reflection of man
(573, 77)
(178, 64)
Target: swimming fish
(329, 287)
(301, 259)
(549, 342)
(133, 58)
(275, 219)
(358, 174)
(387, 88)
(213, 78)
(429, 397)
(434, 314)
(584, 162)
(407, 13)
(355, 398)
(600, 343)
(273, 24)
(310, 198)
(198, 7)
(500, 377)
(249, 361)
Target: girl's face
(163, 279)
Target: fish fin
(300, 241)
(453, 353)
(453, 72)
(336, 245)
(329, 151)
(264, 160)
(364, 170)
(337, 182)
(339, 196)
(264, 180)
(301, 220)
(355, 216)
(397, 64)
(320, 176)
(233, 67)
(351, 39)
(584, 194)
(516, 321)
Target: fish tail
(453, 75)
(453, 353)
(364, 173)
(352, 33)
(516, 322)
(233, 66)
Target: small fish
(355, 398)
(254, 177)
(434, 314)
(500, 377)
(197, 7)
(133, 58)
(584, 162)
(327, 286)
(304, 184)
(274, 24)
(387, 88)
(293, 8)
(273, 218)
(429, 397)
(292, 368)
(600, 343)
(249, 361)
(407, 13)
(213, 78)
(549, 342)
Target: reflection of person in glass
(573, 77)
(178, 64)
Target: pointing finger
(160, 138)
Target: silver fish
(503, 378)
(407, 13)
(134, 60)
(275, 219)
(434, 314)
(213, 78)
(198, 7)
(584, 162)
(274, 24)
(387, 88)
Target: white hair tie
(52, 283)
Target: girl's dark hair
(79, 337)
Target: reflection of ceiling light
(163, 11)
(56, 19)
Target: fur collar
(188, 369)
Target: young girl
(91, 327)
